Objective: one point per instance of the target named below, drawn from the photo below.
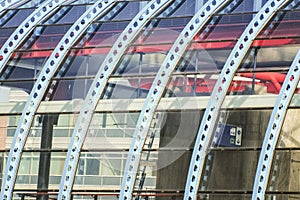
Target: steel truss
(157, 89)
(273, 131)
(209, 120)
(98, 86)
(21, 33)
(41, 85)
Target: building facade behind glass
(149, 99)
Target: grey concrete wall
(179, 131)
(231, 170)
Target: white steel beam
(273, 131)
(25, 28)
(158, 87)
(41, 85)
(6, 4)
(109, 65)
(205, 132)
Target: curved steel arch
(39, 90)
(9, 3)
(24, 29)
(273, 131)
(32, 37)
(221, 119)
(157, 89)
(129, 34)
(235, 58)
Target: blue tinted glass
(70, 14)
(48, 37)
(107, 33)
(245, 6)
(175, 23)
(186, 9)
(18, 17)
(288, 26)
(4, 35)
(129, 12)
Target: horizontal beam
(166, 104)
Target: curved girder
(273, 131)
(209, 120)
(4, 5)
(31, 38)
(157, 89)
(40, 87)
(25, 28)
(229, 8)
(108, 66)
(9, 4)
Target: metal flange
(157, 89)
(41, 85)
(209, 120)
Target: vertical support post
(45, 155)
(139, 92)
(254, 71)
(209, 120)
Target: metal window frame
(218, 95)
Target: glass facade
(88, 105)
